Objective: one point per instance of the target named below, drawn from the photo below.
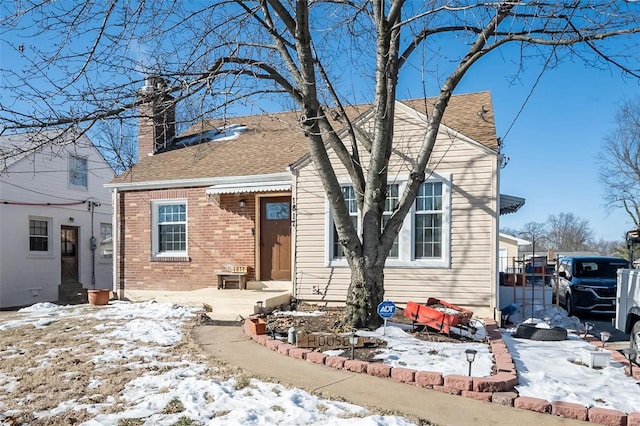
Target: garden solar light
(504, 318)
(471, 356)
(630, 355)
(588, 326)
(604, 336)
(353, 340)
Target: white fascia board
(284, 177)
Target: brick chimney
(156, 117)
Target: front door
(275, 238)
(69, 254)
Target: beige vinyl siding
(470, 278)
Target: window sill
(40, 255)
(158, 258)
(395, 263)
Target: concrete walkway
(230, 345)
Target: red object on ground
(437, 314)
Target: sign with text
(386, 309)
(326, 341)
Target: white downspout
(114, 245)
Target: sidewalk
(230, 345)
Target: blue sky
(555, 143)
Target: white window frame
(73, 169)
(49, 236)
(155, 234)
(102, 243)
(406, 236)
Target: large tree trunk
(366, 291)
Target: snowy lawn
(134, 364)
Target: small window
(277, 211)
(170, 228)
(39, 235)
(106, 245)
(78, 171)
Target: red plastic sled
(438, 314)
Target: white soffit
(235, 188)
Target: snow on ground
(141, 332)
(139, 337)
(554, 371)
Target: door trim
(258, 221)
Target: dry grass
(55, 364)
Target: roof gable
(19, 146)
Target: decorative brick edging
(498, 388)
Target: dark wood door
(275, 238)
(69, 254)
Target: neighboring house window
(170, 228)
(428, 221)
(78, 171)
(423, 239)
(349, 195)
(106, 244)
(39, 235)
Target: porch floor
(228, 304)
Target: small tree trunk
(365, 294)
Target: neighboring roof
(518, 241)
(269, 143)
(510, 203)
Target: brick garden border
(498, 388)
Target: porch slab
(226, 304)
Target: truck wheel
(635, 340)
(568, 301)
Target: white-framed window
(428, 224)
(350, 200)
(390, 204)
(423, 240)
(39, 235)
(169, 233)
(106, 242)
(78, 171)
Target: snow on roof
(225, 133)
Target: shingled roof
(271, 142)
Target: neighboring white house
(55, 218)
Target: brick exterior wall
(217, 235)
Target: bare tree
(569, 233)
(83, 62)
(620, 161)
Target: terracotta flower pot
(99, 296)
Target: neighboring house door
(69, 254)
(275, 238)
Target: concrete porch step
(227, 304)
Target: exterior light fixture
(604, 337)
(630, 355)
(242, 203)
(353, 341)
(71, 219)
(471, 356)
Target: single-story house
(55, 218)
(244, 191)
